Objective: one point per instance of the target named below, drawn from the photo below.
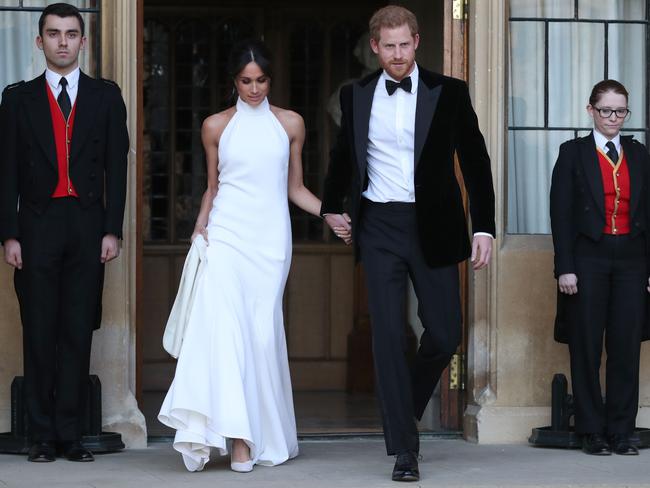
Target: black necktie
(611, 152)
(405, 85)
(64, 99)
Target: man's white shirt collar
(53, 79)
(415, 77)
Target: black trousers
(390, 252)
(59, 292)
(611, 302)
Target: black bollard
(559, 404)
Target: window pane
(628, 66)
(576, 63)
(9, 3)
(612, 9)
(20, 59)
(531, 156)
(541, 8)
(76, 3)
(526, 80)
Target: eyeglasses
(606, 113)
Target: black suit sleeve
(117, 148)
(8, 166)
(339, 172)
(563, 226)
(475, 165)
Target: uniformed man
(63, 170)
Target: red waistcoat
(616, 185)
(62, 138)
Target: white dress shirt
(391, 143)
(54, 79)
(601, 140)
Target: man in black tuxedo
(63, 166)
(394, 160)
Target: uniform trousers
(59, 292)
(610, 305)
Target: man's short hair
(60, 10)
(390, 17)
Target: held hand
(340, 225)
(648, 285)
(13, 253)
(200, 230)
(481, 251)
(568, 283)
(110, 248)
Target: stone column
(486, 80)
(114, 345)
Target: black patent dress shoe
(406, 467)
(42, 452)
(75, 451)
(621, 445)
(596, 445)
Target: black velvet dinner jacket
(98, 151)
(445, 123)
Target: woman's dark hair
(60, 10)
(605, 86)
(250, 50)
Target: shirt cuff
(483, 234)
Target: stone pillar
(486, 79)
(114, 345)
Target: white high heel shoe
(245, 467)
(240, 467)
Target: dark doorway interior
(317, 46)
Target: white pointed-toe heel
(245, 467)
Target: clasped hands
(568, 284)
(340, 225)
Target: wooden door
(455, 59)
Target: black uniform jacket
(578, 207)
(98, 153)
(445, 123)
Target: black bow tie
(405, 85)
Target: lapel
(88, 99)
(635, 169)
(591, 167)
(38, 110)
(362, 95)
(428, 94)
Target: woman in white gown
(232, 377)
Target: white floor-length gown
(232, 377)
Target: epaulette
(14, 85)
(110, 82)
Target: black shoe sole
(41, 460)
(406, 478)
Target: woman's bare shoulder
(290, 120)
(216, 123)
